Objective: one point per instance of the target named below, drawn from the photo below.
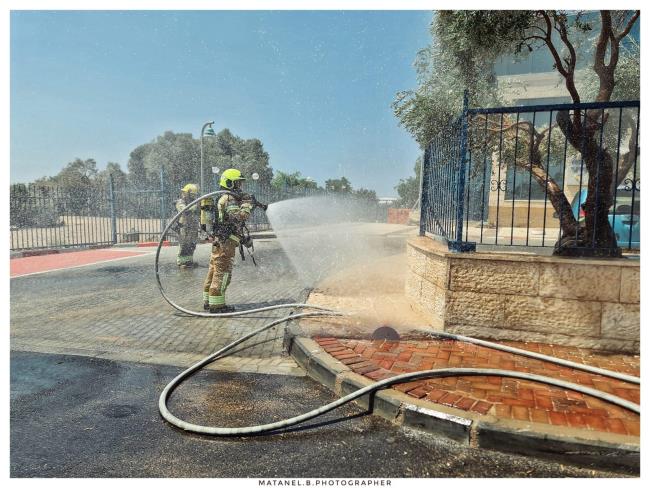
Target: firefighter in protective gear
(207, 213)
(231, 212)
(188, 226)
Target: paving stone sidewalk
(501, 397)
(115, 310)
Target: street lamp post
(208, 132)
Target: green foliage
(364, 194)
(120, 178)
(628, 76)
(445, 69)
(227, 150)
(282, 180)
(464, 48)
(341, 185)
(474, 39)
(180, 157)
(409, 189)
(177, 154)
(33, 206)
(76, 181)
(77, 172)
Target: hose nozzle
(261, 205)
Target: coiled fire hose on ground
(406, 377)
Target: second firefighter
(188, 227)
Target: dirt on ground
(373, 294)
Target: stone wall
(524, 297)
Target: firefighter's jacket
(189, 221)
(231, 213)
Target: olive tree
(465, 47)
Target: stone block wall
(523, 297)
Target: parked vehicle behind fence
(624, 215)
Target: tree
(466, 45)
(227, 150)
(75, 184)
(179, 155)
(282, 180)
(77, 171)
(341, 185)
(370, 196)
(409, 189)
(120, 178)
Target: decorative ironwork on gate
(519, 176)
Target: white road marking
(80, 265)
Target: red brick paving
(502, 397)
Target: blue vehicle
(624, 215)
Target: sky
(314, 86)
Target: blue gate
(497, 176)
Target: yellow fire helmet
(228, 178)
(190, 188)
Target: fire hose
(402, 378)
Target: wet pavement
(88, 406)
(115, 310)
(75, 416)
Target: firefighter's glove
(247, 206)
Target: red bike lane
(52, 262)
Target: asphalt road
(75, 416)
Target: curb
(586, 448)
(152, 244)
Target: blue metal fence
(103, 213)
(519, 176)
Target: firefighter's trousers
(219, 273)
(186, 247)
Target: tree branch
(629, 26)
(604, 71)
(568, 76)
(565, 39)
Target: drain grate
(385, 333)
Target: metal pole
(162, 198)
(461, 171)
(111, 188)
(424, 199)
(458, 245)
(201, 187)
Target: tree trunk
(597, 238)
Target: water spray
(316, 311)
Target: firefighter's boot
(219, 273)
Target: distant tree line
(80, 187)
(178, 156)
